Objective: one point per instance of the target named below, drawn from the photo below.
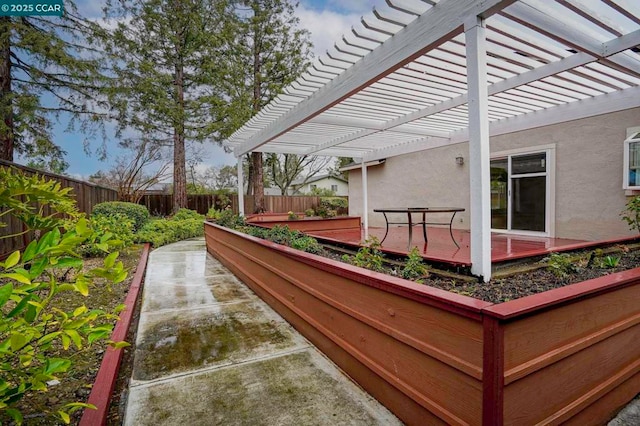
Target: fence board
(162, 204)
(86, 194)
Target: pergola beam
(423, 34)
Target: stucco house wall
(588, 176)
(325, 183)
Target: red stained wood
(566, 355)
(309, 225)
(106, 379)
(440, 248)
(493, 373)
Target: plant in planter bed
(29, 282)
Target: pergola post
(240, 187)
(479, 150)
(365, 200)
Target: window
(631, 179)
(334, 188)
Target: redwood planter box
(434, 357)
(306, 224)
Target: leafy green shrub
(29, 327)
(414, 267)
(229, 219)
(214, 214)
(285, 236)
(109, 232)
(561, 265)
(292, 216)
(186, 214)
(137, 213)
(631, 213)
(309, 212)
(183, 225)
(334, 203)
(306, 243)
(369, 256)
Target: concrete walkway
(209, 351)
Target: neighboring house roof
(316, 178)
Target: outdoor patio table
(424, 210)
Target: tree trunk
(6, 103)
(179, 156)
(256, 170)
(258, 186)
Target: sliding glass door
(519, 192)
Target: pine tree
(47, 68)
(268, 52)
(166, 56)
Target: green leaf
(31, 313)
(69, 262)
(118, 345)
(30, 251)
(19, 307)
(48, 337)
(80, 310)
(66, 341)
(110, 260)
(17, 277)
(57, 365)
(5, 293)
(77, 340)
(15, 415)
(18, 340)
(82, 287)
(65, 417)
(25, 360)
(81, 227)
(12, 260)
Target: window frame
(633, 137)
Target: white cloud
(326, 27)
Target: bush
(285, 236)
(414, 267)
(631, 213)
(186, 214)
(334, 203)
(137, 213)
(369, 256)
(561, 264)
(229, 219)
(29, 326)
(109, 232)
(183, 225)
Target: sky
(326, 20)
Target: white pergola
(422, 74)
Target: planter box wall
(434, 357)
(308, 225)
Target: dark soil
(526, 278)
(37, 407)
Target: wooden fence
(86, 194)
(162, 204)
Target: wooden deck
(440, 248)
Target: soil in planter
(76, 386)
(524, 278)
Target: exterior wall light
(460, 160)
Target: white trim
(603, 104)
(625, 159)
(240, 187)
(358, 165)
(365, 200)
(550, 188)
(479, 149)
(425, 33)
